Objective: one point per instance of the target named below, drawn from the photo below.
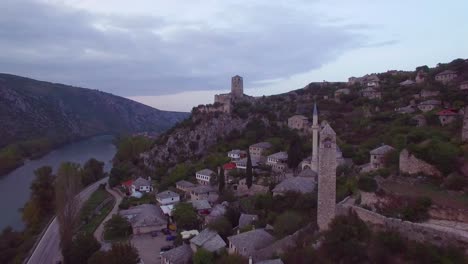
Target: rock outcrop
(411, 165)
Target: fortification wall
(411, 165)
(436, 235)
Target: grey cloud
(130, 58)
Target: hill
(36, 116)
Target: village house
(464, 85)
(419, 120)
(428, 105)
(246, 220)
(142, 185)
(420, 76)
(179, 255)
(203, 192)
(377, 156)
(407, 83)
(145, 218)
(447, 116)
(208, 240)
(298, 122)
(216, 212)
(242, 189)
(204, 176)
(167, 197)
(295, 184)
(341, 92)
(242, 163)
(247, 243)
(371, 93)
(406, 109)
(237, 154)
(257, 150)
(203, 207)
(446, 76)
(428, 93)
(277, 161)
(185, 186)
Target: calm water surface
(14, 187)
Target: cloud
(154, 54)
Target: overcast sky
(176, 54)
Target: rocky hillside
(38, 115)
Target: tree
(41, 204)
(185, 216)
(222, 226)
(221, 181)
(67, 186)
(119, 173)
(367, 184)
(117, 227)
(83, 247)
(287, 223)
(232, 259)
(203, 256)
(92, 171)
(10, 242)
(294, 152)
(249, 175)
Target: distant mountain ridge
(50, 114)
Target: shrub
(454, 182)
(367, 184)
(117, 228)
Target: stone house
(407, 83)
(257, 150)
(277, 161)
(298, 122)
(406, 109)
(203, 207)
(428, 93)
(167, 197)
(464, 85)
(246, 220)
(204, 176)
(295, 184)
(179, 255)
(142, 185)
(420, 76)
(341, 92)
(446, 76)
(242, 189)
(247, 243)
(145, 218)
(420, 120)
(217, 211)
(377, 156)
(371, 93)
(185, 186)
(208, 240)
(447, 116)
(428, 105)
(353, 80)
(204, 192)
(237, 154)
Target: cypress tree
(221, 181)
(249, 171)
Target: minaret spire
(315, 132)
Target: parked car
(170, 238)
(154, 233)
(166, 248)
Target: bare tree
(67, 186)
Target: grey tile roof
(185, 184)
(382, 150)
(203, 189)
(206, 172)
(430, 102)
(271, 261)
(279, 155)
(141, 182)
(249, 242)
(201, 204)
(167, 194)
(447, 72)
(296, 184)
(308, 173)
(144, 215)
(237, 151)
(179, 255)
(261, 145)
(247, 219)
(209, 240)
(328, 130)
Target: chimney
(250, 260)
(238, 230)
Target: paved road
(48, 250)
(98, 234)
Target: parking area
(149, 247)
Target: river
(14, 187)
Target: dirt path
(99, 233)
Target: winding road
(47, 250)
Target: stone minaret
(315, 130)
(326, 178)
(237, 86)
(465, 125)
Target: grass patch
(89, 217)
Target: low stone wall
(421, 232)
(409, 164)
(449, 214)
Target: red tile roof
(128, 183)
(447, 112)
(229, 166)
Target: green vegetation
(222, 226)
(185, 216)
(367, 184)
(287, 223)
(83, 247)
(203, 256)
(249, 174)
(95, 209)
(120, 253)
(147, 198)
(117, 228)
(406, 208)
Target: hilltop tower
(326, 201)
(465, 125)
(315, 131)
(237, 86)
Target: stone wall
(421, 232)
(450, 214)
(411, 165)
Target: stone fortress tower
(326, 201)
(237, 86)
